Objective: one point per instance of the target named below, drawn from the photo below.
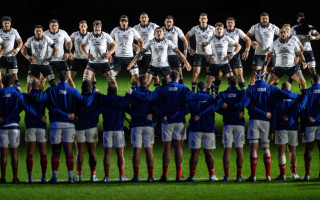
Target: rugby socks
(267, 164)
(181, 81)
(3, 172)
(282, 168)
(106, 172)
(150, 171)
(29, 163)
(55, 165)
(179, 172)
(211, 171)
(215, 85)
(192, 171)
(253, 162)
(79, 171)
(70, 166)
(121, 172)
(43, 162)
(165, 171)
(307, 168)
(94, 85)
(293, 169)
(242, 85)
(15, 173)
(135, 171)
(93, 171)
(226, 171)
(194, 85)
(239, 170)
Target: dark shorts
(122, 62)
(8, 62)
(35, 70)
(154, 71)
(308, 56)
(103, 67)
(145, 61)
(60, 66)
(258, 60)
(174, 61)
(281, 71)
(216, 68)
(235, 62)
(78, 64)
(200, 61)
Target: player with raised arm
(202, 33)
(124, 36)
(159, 48)
(264, 33)
(220, 57)
(61, 39)
(40, 58)
(173, 33)
(98, 56)
(306, 33)
(8, 60)
(285, 50)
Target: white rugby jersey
(265, 36)
(146, 32)
(124, 40)
(285, 52)
(159, 51)
(219, 47)
(98, 46)
(1, 41)
(234, 34)
(305, 42)
(59, 38)
(296, 39)
(77, 38)
(40, 48)
(9, 37)
(202, 36)
(173, 35)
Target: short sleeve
(50, 41)
(296, 47)
(109, 38)
(147, 45)
(72, 36)
(27, 44)
(66, 37)
(252, 30)
(136, 35)
(272, 50)
(241, 34)
(276, 30)
(231, 41)
(16, 35)
(86, 39)
(180, 33)
(171, 45)
(112, 34)
(192, 31)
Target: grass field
(201, 189)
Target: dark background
(26, 14)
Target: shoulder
(63, 32)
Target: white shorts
(201, 139)
(145, 134)
(114, 138)
(134, 71)
(258, 129)
(311, 133)
(36, 135)
(89, 135)
(66, 134)
(286, 137)
(233, 133)
(9, 137)
(176, 131)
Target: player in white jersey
(173, 33)
(306, 33)
(40, 58)
(220, 56)
(264, 34)
(159, 47)
(2, 47)
(124, 36)
(235, 62)
(61, 39)
(8, 60)
(285, 50)
(146, 29)
(79, 61)
(98, 56)
(203, 33)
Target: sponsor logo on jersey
(261, 89)
(287, 100)
(7, 95)
(173, 89)
(316, 91)
(232, 95)
(64, 92)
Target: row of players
(73, 117)
(157, 54)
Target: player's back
(30, 121)
(313, 102)
(87, 114)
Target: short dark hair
(86, 86)
(143, 79)
(63, 76)
(144, 13)
(112, 90)
(38, 26)
(285, 86)
(300, 14)
(83, 22)
(8, 79)
(6, 18)
(53, 21)
(170, 17)
(264, 14)
(219, 24)
(315, 78)
(124, 17)
(232, 80)
(201, 86)
(174, 75)
(203, 14)
(231, 18)
(158, 28)
(97, 23)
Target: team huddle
(274, 114)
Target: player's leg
(148, 140)
(91, 141)
(94, 81)
(193, 163)
(29, 160)
(30, 79)
(272, 78)
(106, 163)
(68, 139)
(194, 79)
(282, 161)
(210, 163)
(136, 140)
(119, 143)
(239, 141)
(110, 75)
(87, 74)
(14, 164)
(3, 153)
(254, 145)
(121, 162)
(73, 74)
(179, 69)
(70, 81)
(299, 78)
(178, 156)
(239, 74)
(293, 161)
(308, 139)
(134, 77)
(264, 127)
(151, 73)
(227, 139)
(43, 160)
(79, 159)
(42, 81)
(166, 155)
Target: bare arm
(230, 56)
(302, 58)
(136, 58)
(183, 58)
(245, 54)
(268, 58)
(68, 50)
(24, 52)
(191, 51)
(113, 48)
(3, 46)
(141, 43)
(185, 45)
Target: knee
(56, 150)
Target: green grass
(201, 189)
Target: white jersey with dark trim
(202, 35)
(285, 52)
(40, 48)
(77, 38)
(265, 37)
(305, 42)
(98, 46)
(234, 34)
(219, 47)
(59, 38)
(124, 39)
(146, 32)
(173, 35)
(296, 39)
(1, 41)
(159, 51)
(9, 37)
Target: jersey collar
(231, 31)
(83, 35)
(123, 29)
(219, 37)
(159, 40)
(97, 35)
(6, 31)
(39, 38)
(263, 26)
(145, 26)
(205, 28)
(168, 30)
(54, 33)
(283, 41)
